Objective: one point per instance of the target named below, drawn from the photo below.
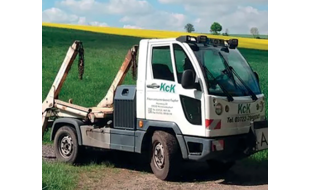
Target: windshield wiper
(230, 75)
(229, 96)
(253, 95)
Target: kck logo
(167, 88)
(243, 108)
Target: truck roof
(160, 40)
(231, 43)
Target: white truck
(195, 98)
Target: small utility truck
(195, 98)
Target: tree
(189, 28)
(254, 32)
(226, 32)
(215, 28)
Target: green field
(103, 56)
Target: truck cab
(204, 86)
(195, 98)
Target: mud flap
(250, 141)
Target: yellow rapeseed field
(249, 43)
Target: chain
(134, 63)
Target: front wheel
(165, 155)
(66, 145)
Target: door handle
(153, 85)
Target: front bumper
(229, 148)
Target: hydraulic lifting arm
(52, 105)
(49, 101)
(130, 61)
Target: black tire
(219, 167)
(169, 167)
(66, 145)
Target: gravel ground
(129, 175)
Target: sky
(238, 16)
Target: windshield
(218, 63)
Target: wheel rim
(66, 146)
(159, 157)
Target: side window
(182, 61)
(162, 64)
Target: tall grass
(57, 176)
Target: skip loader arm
(130, 61)
(49, 101)
(64, 109)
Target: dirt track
(128, 174)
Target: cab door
(166, 99)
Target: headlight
(218, 109)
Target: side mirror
(188, 79)
(256, 75)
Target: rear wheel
(165, 155)
(66, 145)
